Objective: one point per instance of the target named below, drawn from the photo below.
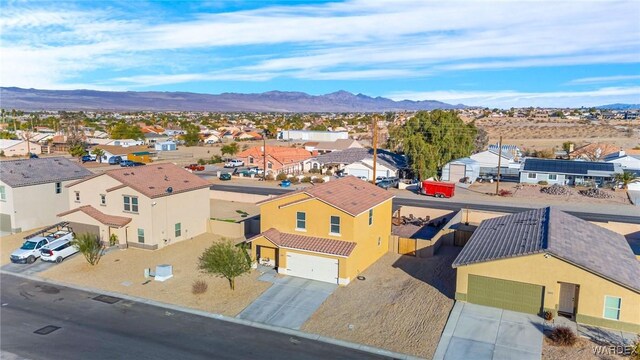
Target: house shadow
(435, 271)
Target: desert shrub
(635, 349)
(328, 172)
(215, 159)
(543, 182)
(317, 180)
(269, 177)
(199, 287)
(563, 336)
(548, 315)
(294, 180)
(314, 171)
(202, 162)
(89, 246)
(504, 192)
(306, 179)
(281, 176)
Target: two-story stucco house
(147, 206)
(33, 191)
(329, 232)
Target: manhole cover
(107, 299)
(46, 330)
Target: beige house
(33, 191)
(148, 206)
(19, 147)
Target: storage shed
(142, 156)
(459, 169)
(166, 146)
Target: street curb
(292, 332)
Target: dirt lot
(123, 271)
(531, 193)
(11, 242)
(407, 300)
(582, 350)
(232, 210)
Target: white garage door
(456, 172)
(312, 267)
(359, 172)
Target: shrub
(215, 159)
(113, 239)
(548, 315)
(269, 177)
(635, 349)
(317, 180)
(226, 260)
(504, 192)
(306, 179)
(543, 182)
(199, 287)
(563, 336)
(89, 246)
(328, 172)
(202, 161)
(314, 171)
(281, 176)
(294, 180)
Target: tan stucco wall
(34, 206)
(21, 149)
(156, 216)
(549, 272)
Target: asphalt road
(90, 329)
(442, 204)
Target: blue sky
(496, 54)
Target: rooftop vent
(166, 178)
(152, 187)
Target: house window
(370, 216)
(532, 176)
(178, 229)
(131, 204)
(3, 193)
(77, 196)
(103, 199)
(553, 177)
(379, 240)
(58, 187)
(301, 221)
(335, 225)
(250, 159)
(141, 236)
(269, 165)
(315, 166)
(612, 307)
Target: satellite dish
(169, 190)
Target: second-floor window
(3, 193)
(370, 216)
(301, 220)
(250, 159)
(335, 225)
(131, 204)
(77, 196)
(269, 165)
(58, 187)
(103, 199)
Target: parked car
(30, 249)
(387, 183)
(115, 160)
(126, 163)
(363, 178)
(233, 163)
(225, 176)
(194, 167)
(137, 163)
(33, 156)
(86, 158)
(285, 183)
(58, 250)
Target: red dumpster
(437, 189)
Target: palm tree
(98, 153)
(625, 178)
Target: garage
(505, 294)
(456, 172)
(359, 172)
(5, 223)
(312, 267)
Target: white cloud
(604, 79)
(510, 98)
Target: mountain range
(619, 107)
(272, 101)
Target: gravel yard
(123, 271)
(9, 243)
(532, 193)
(582, 350)
(403, 304)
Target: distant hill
(272, 101)
(619, 107)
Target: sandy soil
(11, 242)
(221, 209)
(582, 350)
(123, 271)
(403, 304)
(531, 193)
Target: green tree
(89, 246)
(230, 149)
(122, 130)
(99, 153)
(77, 150)
(481, 141)
(625, 178)
(226, 260)
(567, 145)
(431, 139)
(192, 137)
(7, 135)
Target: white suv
(57, 250)
(233, 163)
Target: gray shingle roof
(26, 172)
(353, 155)
(564, 236)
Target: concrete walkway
(289, 302)
(484, 333)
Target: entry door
(567, 298)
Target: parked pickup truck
(233, 163)
(194, 167)
(30, 249)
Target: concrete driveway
(289, 302)
(484, 333)
(29, 269)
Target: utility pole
(264, 155)
(499, 158)
(374, 140)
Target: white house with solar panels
(568, 172)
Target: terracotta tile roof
(109, 220)
(308, 243)
(283, 155)
(594, 151)
(154, 180)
